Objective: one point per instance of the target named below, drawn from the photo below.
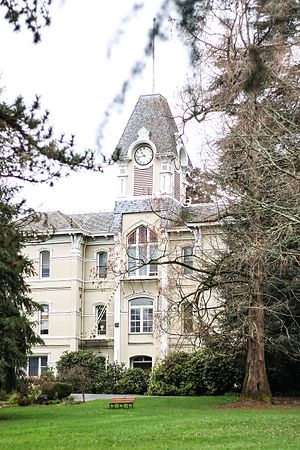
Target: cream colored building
(91, 276)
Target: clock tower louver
(151, 157)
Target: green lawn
(153, 423)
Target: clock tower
(150, 154)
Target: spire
(153, 54)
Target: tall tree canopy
(248, 53)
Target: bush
(220, 373)
(133, 381)
(197, 373)
(87, 361)
(61, 390)
(41, 390)
(172, 376)
(283, 374)
(24, 400)
(108, 379)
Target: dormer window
(142, 249)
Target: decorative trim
(143, 134)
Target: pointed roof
(153, 113)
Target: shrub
(93, 365)
(172, 376)
(133, 381)
(283, 374)
(42, 390)
(108, 379)
(221, 373)
(13, 398)
(61, 390)
(197, 373)
(23, 400)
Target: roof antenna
(153, 54)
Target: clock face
(143, 155)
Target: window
(187, 253)
(142, 247)
(44, 319)
(101, 319)
(141, 362)
(36, 365)
(45, 264)
(102, 264)
(141, 315)
(187, 317)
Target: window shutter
(143, 181)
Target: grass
(153, 423)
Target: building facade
(105, 280)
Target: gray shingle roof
(100, 222)
(56, 221)
(153, 113)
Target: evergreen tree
(16, 306)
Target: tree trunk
(256, 384)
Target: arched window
(101, 319)
(142, 248)
(102, 264)
(44, 319)
(141, 315)
(45, 264)
(141, 362)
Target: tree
(29, 153)
(16, 306)
(80, 378)
(251, 84)
(34, 14)
(200, 186)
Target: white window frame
(142, 247)
(141, 361)
(40, 367)
(43, 265)
(98, 323)
(44, 317)
(101, 267)
(139, 323)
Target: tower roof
(153, 113)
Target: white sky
(77, 81)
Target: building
(92, 278)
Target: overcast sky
(77, 81)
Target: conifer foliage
(16, 306)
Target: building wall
(74, 290)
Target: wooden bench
(122, 401)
